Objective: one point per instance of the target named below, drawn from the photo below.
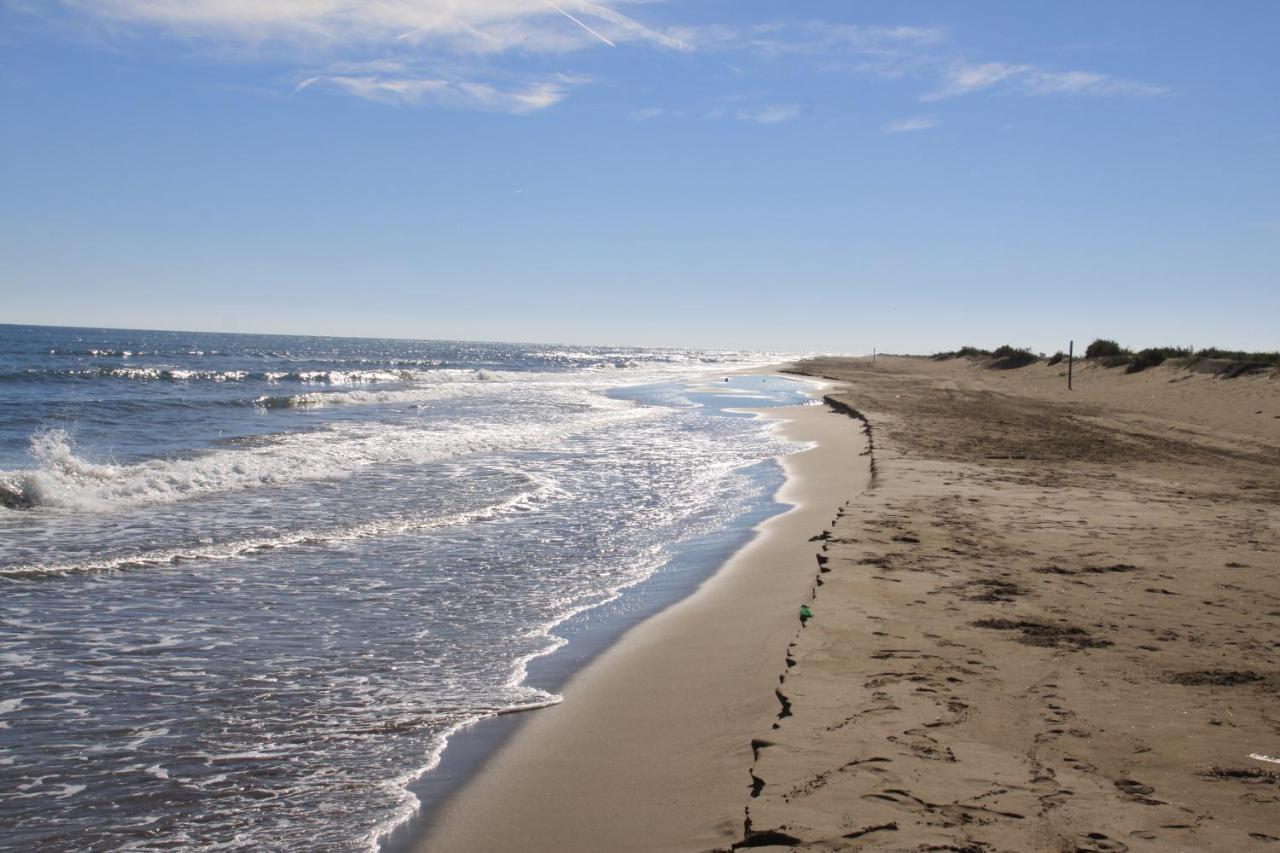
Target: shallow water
(251, 584)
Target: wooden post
(1071, 357)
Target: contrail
(579, 23)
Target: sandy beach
(649, 750)
(1042, 621)
(469, 427)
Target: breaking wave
(537, 492)
(64, 480)
(162, 373)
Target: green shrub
(1056, 357)
(1009, 357)
(1115, 360)
(1239, 355)
(963, 352)
(1103, 348)
(1149, 357)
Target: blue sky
(807, 175)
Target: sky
(801, 176)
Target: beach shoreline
(672, 700)
(583, 637)
(1041, 621)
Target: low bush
(1009, 357)
(963, 352)
(1239, 355)
(1056, 358)
(1146, 358)
(1103, 348)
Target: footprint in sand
(1096, 842)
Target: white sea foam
(65, 480)
(347, 665)
(334, 377)
(539, 491)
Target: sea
(251, 585)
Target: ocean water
(251, 585)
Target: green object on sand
(805, 612)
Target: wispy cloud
(962, 79)
(887, 51)
(494, 54)
(647, 114)
(771, 114)
(1087, 83)
(909, 125)
(476, 26)
(966, 78)
(924, 53)
(445, 52)
(465, 94)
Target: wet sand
(1049, 621)
(650, 749)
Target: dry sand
(1049, 622)
(1053, 624)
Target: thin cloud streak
(463, 94)
(771, 114)
(910, 125)
(1087, 83)
(967, 78)
(474, 26)
(579, 23)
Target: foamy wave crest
(63, 480)
(168, 373)
(538, 492)
(441, 384)
(343, 377)
(306, 377)
(365, 377)
(52, 450)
